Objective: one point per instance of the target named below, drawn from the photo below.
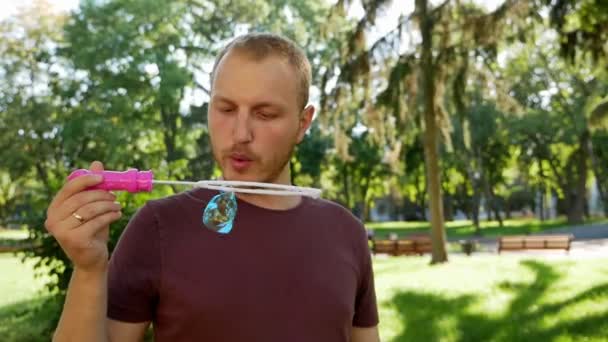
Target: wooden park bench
(411, 245)
(17, 248)
(538, 242)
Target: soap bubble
(220, 212)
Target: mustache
(239, 152)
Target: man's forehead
(270, 81)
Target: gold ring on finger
(78, 217)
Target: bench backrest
(534, 241)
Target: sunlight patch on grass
(498, 298)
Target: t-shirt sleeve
(366, 309)
(134, 270)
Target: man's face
(254, 117)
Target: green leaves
(121, 81)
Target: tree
(600, 146)
(487, 146)
(114, 81)
(310, 156)
(558, 127)
(582, 27)
(361, 177)
(413, 77)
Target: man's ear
(305, 121)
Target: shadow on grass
(433, 317)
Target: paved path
(585, 232)
(590, 241)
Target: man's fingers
(78, 184)
(80, 215)
(74, 186)
(96, 166)
(90, 229)
(80, 234)
(79, 200)
(92, 210)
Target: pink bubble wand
(135, 181)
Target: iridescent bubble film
(220, 212)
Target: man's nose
(242, 132)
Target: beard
(263, 168)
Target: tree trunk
(496, 207)
(170, 139)
(366, 204)
(476, 205)
(577, 206)
(476, 200)
(420, 198)
(431, 135)
(449, 208)
(583, 168)
(541, 190)
(490, 199)
(346, 187)
(599, 176)
(43, 176)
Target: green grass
(492, 298)
(465, 229)
(26, 313)
(17, 280)
(479, 298)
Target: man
(292, 269)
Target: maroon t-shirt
(302, 274)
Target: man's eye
(226, 110)
(266, 116)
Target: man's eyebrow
(219, 98)
(258, 105)
(268, 104)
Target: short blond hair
(263, 45)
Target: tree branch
(200, 86)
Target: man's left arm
(365, 334)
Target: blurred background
(448, 124)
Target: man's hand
(79, 219)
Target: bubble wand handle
(131, 180)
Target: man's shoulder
(331, 206)
(336, 211)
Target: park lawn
(479, 298)
(465, 229)
(26, 314)
(492, 298)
